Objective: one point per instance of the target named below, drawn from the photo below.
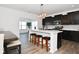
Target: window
(22, 25)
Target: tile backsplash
(64, 26)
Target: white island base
(53, 37)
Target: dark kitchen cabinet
(58, 17)
(74, 16)
(66, 20)
(51, 20)
(71, 35)
(48, 21)
(75, 36)
(66, 35)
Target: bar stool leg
(34, 40)
(46, 44)
(38, 41)
(42, 43)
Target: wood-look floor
(33, 49)
(68, 47)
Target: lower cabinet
(67, 35)
(75, 36)
(71, 35)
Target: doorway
(23, 33)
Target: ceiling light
(43, 12)
(73, 5)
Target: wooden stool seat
(46, 40)
(39, 35)
(33, 34)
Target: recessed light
(73, 5)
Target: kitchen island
(53, 34)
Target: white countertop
(47, 31)
(74, 29)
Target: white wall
(9, 19)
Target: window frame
(21, 25)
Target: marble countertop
(74, 29)
(47, 31)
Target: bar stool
(46, 42)
(39, 37)
(33, 38)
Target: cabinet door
(66, 20)
(75, 36)
(58, 17)
(66, 35)
(74, 17)
(48, 21)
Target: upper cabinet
(48, 20)
(52, 20)
(74, 16)
(58, 17)
(71, 18)
(66, 20)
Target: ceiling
(36, 8)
